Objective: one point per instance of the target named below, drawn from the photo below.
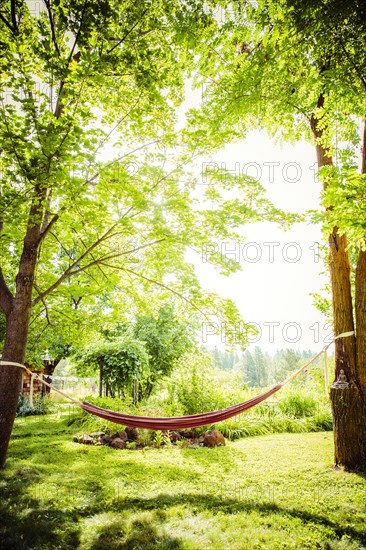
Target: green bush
(197, 387)
(298, 405)
(91, 423)
(41, 405)
(194, 389)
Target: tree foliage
(134, 356)
(166, 339)
(121, 361)
(80, 82)
(267, 66)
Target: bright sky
(280, 269)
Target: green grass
(268, 492)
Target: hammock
(178, 422)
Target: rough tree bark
(348, 405)
(17, 310)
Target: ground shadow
(201, 502)
(143, 535)
(25, 525)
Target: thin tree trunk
(100, 380)
(351, 403)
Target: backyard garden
(141, 145)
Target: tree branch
(48, 227)
(104, 141)
(52, 25)
(126, 34)
(76, 57)
(157, 283)
(77, 34)
(6, 22)
(89, 180)
(6, 297)
(70, 271)
(93, 258)
(58, 112)
(13, 16)
(44, 304)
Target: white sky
(280, 269)
(273, 289)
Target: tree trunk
(10, 377)
(49, 368)
(100, 380)
(360, 299)
(349, 413)
(360, 307)
(340, 274)
(348, 405)
(17, 323)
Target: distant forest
(259, 368)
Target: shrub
(195, 390)
(298, 405)
(41, 405)
(91, 423)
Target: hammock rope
(179, 422)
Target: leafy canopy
(80, 82)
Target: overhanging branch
(73, 270)
(48, 228)
(157, 283)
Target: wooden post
(31, 389)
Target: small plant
(158, 438)
(131, 445)
(145, 438)
(166, 439)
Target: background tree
(224, 359)
(135, 356)
(166, 339)
(255, 368)
(121, 363)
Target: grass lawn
(270, 492)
